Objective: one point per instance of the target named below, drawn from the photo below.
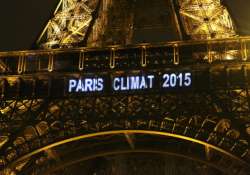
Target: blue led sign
(130, 82)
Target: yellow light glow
(118, 132)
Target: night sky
(23, 20)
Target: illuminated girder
(69, 25)
(95, 23)
(36, 110)
(206, 19)
(36, 114)
(57, 120)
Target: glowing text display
(130, 83)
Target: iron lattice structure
(40, 119)
(44, 129)
(206, 19)
(70, 23)
(94, 23)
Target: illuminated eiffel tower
(124, 87)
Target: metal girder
(35, 111)
(87, 59)
(206, 19)
(91, 21)
(38, 119)
(210, 117)
(103, 144)
(69, 25)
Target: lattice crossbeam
(206, 19)
(69, 24)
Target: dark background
(21, 21)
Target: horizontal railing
(88, 59)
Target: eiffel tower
(125, 87)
